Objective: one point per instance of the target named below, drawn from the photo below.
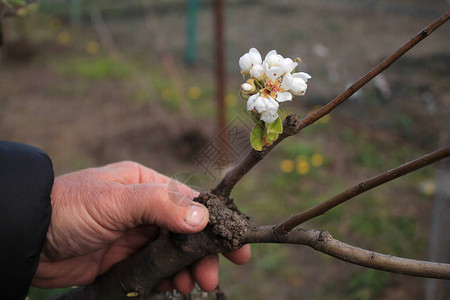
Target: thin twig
(372, 74)
(284, 227)
(323, 242)
(292, 125)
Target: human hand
(104, 215)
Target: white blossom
(262, 104)
(271, 82)
(295, 83)
(250, 59)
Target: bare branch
(323, 242)
(372, 74)
(292, 125)
(284, 227)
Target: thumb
(165, 206)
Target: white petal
(261, 104)
(251, 101)
(287, 65)
(257, 71)
(272, 104)
(273, 59)
(286, 83)
(302, 75)
(271, 52)
(255, 57)
(245, 63)
(284, 96)
(298, 87)
(269, 117)
(273, 73)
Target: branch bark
(283, 228)
(323, 242)
(292, 125)
(139, 274)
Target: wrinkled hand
(104, 215)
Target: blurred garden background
(95, 82)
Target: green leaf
(256, 136)
(276, 126)
(272, 136)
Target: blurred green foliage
(93, 68)
(367, 284)
(41, 294)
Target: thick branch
(281, 229)
(166, 256)
(292, 125)
(323, 242)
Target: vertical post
(75, 14)
(439, 249)
(190, 51)
(220, 69)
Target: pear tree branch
(323, 242)
(281, 229)
(292, 125)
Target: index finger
(129, 173)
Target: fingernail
(195, 215)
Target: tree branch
(284, 227)
(292, 125)
(323, 242)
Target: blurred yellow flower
(194, 92)
(230, 100)
(92, 47)
(303, 167)
(428, 188)
(317, 159)
(64, 38)
(167, 93)
(287, 166)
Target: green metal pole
(75, 14)
(192, 15)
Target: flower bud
(257, 72)
(246, 87)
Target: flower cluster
(269, 83)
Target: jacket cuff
(26, 180)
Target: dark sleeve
(26, 179)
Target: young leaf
(272, 136)
(276, 126)
(256, 136)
